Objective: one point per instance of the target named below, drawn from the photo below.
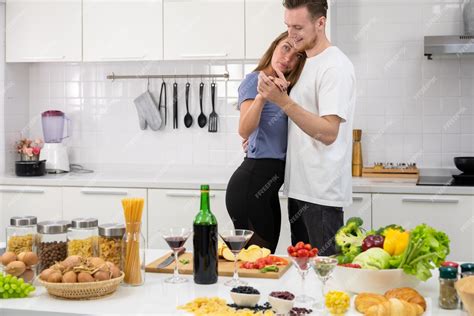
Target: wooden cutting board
(225, 268)
(411, 173)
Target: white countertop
(188, 177)
(158, 297)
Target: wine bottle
(205, 242)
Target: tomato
(307, 247)
(260, 265)
(313, 253)
(269, 260)
(294, 254)
(299, 245)
(290, 249)
(303, 253)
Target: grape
(13, 287)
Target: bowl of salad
(390, 257)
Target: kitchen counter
(186, 177)
(157, 297)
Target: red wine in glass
(235, 243)
(175, 242)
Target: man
(318, 178)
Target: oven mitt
(148, 113)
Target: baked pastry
(364, 301)
(407, 294)
(395, 307)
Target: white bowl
(281, 306)
(374, 281)
(246, 300)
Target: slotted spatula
(213, 117)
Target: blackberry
(298, 311)
(245, 290)
(284, 295)
(256, 308)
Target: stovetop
(454, 180)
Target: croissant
(364, 301)
(395, 307)
(407, 294)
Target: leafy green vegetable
(373, 258)
(349, 239)
(184, 261)
(427, 249)
(272, 268)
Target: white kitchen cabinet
(452, 214)
(285, 231)
(264, 21)
(43, 30)
(203, 29)
(361, 207)
(101, 203)
(178, 208)
(122, 30)
(43, 202)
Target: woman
(252, 193)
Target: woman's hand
(272, 91)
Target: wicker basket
(83, 291)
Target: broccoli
(349, 237)
(382, 231)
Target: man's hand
(273, 90)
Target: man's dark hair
(316, 8)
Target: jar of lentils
(82, 237)
(110, 242)
(21, 234)
(52, 243)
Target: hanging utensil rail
(113, 76)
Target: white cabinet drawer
(43, 202)
(361, 207)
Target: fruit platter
(391, 256)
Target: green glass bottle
(205, 242)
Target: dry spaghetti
(133, 209)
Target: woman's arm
(250, 112)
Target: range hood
(449, 45)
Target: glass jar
(448, 297)
(110, 242)
(467, 269)
(52, 243)
(82, 237)
(21, 234)
(133, 254)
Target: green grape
(2, 289)
(22, 295)
(8, 278)
(5, 295)
(24, 286)
(21, 281)
(10, 291)
(6, 286)
(1, 284)
(18, 290)
(14, 286)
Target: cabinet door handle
(357, 198)
(124, 58)
(44, 58)
(429, 200)
(187, 194)
(204, 55)
(10, 190)
(104, 192)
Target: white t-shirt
(314, 172)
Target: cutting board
(225, 268)
(411, 173)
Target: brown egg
(15, 268)
(70, 277)
(115, 272)
(96, 261)
(55, 277)
(28, 258)
(72, 261)
(84, 277)
(102, 276)
(44, 275)
(28, 275)
(8, 257)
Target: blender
(54, 151)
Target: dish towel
(148, 113)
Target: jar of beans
(52, 243)
(21, 234)
(110, 242)
(82, 237)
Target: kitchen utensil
(188, 119)
(30, 168)
(176, 238)
(357, 162)
(175, 105)
(170, 259)
(381, 172)
(236, 239)
(162, 102)
(213, 117)
(465, 164)
(202, 119)
(54, 150)
(148, 111)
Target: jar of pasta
(21, 234)
(82, 237)
(52, 243)
(110, 242)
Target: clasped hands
(273, 89)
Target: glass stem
(322, 290)
(176, 272)
(303, 278)
(236, 275)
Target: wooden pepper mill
(357, 162)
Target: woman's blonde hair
(293, 75)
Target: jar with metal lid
(82, 237)
(21, 234)
(52, 243)
(110, 242)
(448, 297)
(467, 269)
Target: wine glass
(236, 239)
(323, 266)
(303, 265)
(176, 238)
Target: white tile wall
(2, 84)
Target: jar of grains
(82, 237)
(110, 242)
(52, 243)
(21, 234)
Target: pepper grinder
(357, 161)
